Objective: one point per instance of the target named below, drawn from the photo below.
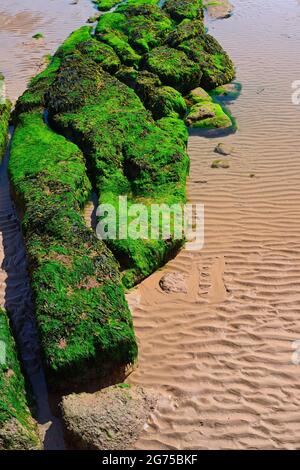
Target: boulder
(111, 419)
(208, 115)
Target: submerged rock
(111, 419)
(173, 282)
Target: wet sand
(21, 56)
(221, 355)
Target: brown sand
(221, 355)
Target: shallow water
(222, 355)
(21, 56)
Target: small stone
(173, 282)
(219, 164)
(223, 149)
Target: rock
(208, 115)
(219, 164)
(173, 283)
(174, 68)
(111, 419)
(15, 436)
(223, 149)
(222, 10)
(199, 95)
(228, 92)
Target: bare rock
(173, 282)
(223, 149)
(111, 419)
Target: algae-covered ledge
(109, 112)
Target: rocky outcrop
(204, 113)
(18, 430)
(111, 419)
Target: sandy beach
(220, 355)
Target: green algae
(184, 9)
(82, 316)
(106, 5)
(128, 153)
(118, 95)
(17, 428)
(4, 120)
(174, 68)
(204, 113)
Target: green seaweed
(17, 428)
(128, 153)
(82, 316)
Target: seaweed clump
(18, 431)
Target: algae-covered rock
(167, 102)
(111, 29)
(173, 283)
(146, 25)
(220, 164)
(128, 153)
(102, 54)
(111, 419)
(227, 92)
(174, 68)
(106, 5)
(18, 431)
(83, 320)
(181, 9)
(223, 149)
(162, 101)
(208, 115)
(219, 10)
(204, 113)
(5, 107)
(198, 95)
